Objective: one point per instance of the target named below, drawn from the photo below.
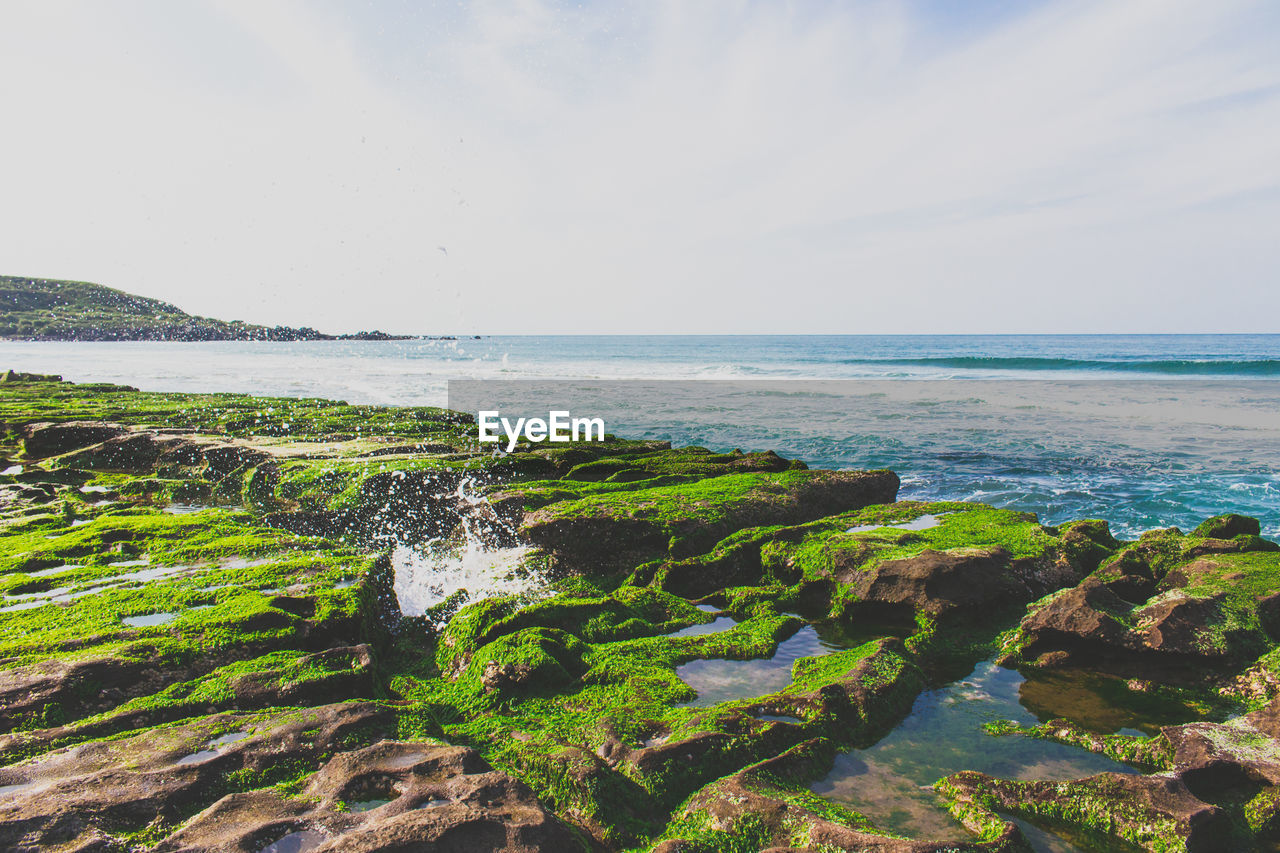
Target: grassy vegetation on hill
(53, 310)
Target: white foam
(469, 561)
(426, 577)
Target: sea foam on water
(427, 576)
(473, 559)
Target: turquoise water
(414, 371)
(1207, 441)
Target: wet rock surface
(201, 646)
(1216, 787)
(388, 796)
(1168, 606)
(70, 796)
(602, 534)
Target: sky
(519, 166)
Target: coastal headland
(41, 309)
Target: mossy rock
(1228, 527)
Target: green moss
(1095, 808)
(230, 414)
(829, 547)
(809, 674)
(626, 613)
(1148, 753)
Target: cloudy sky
(529, 166)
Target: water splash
(482, 558)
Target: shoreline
(223, 569)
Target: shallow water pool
(924, 522)
(721, 680)
(891, 782)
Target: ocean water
(1144, 431)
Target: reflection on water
(778, 718)
(719, 680)
(720, 623)
(1100, 703)
(297, 842)
(184, 508)
(891, 781)
(366, 805)
(150, 619)
(1041, 841)
(230, 737)
(924, 522)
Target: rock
(1156, 813)
(860, 702)
(439, 797)
(72, 688)
(353, 676)
(531, 659)
(875, 692)
(144, 451)
(41, 440)
(313, 679)
(618, 531)
(113, 785)
(1206, 771)
(18, 496)
(972, 582)
(13, 376)
(1228, 527)
(1088, 542)
(1214, 757)
(1197, 615)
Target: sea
(1143, 431)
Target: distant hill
(41, 309)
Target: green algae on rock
(195, 594)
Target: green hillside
(52, 310)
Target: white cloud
(734, 166)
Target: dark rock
(144, 451)
(42, 440)
(619, 533)
(1228, 527)
(102, 786)
(1155, 812)
(1130, 625)
(938, 583)
(443, 798)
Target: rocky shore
(203, 648)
